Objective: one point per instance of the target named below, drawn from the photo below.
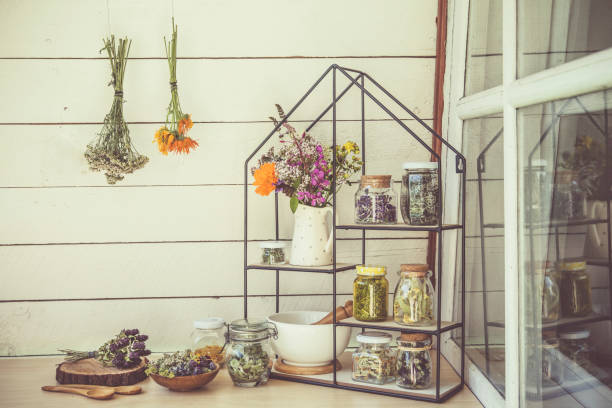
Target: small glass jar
(419, 195)
(413, 368)
(208, 338)
(370, 293)
(413, 303)
(547, 281)
(249, 357)
(374, 360)
(537, 180)
(575, 346)
(273, 252)
(552, 367)
(375, 201)
(569, 200)
(575, 288)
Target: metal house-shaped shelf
(447, 380)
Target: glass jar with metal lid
(575, 288)
(575, 346)
(208, 338)
(413, 303)
(376, 201)
(370, 293)
(413, 367)
(419, 196)
(273, 252)
(374, 360)
(249, 356)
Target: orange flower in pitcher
(185, 124)
(265, 178)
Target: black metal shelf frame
(359, 81)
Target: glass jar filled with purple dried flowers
(376, 201)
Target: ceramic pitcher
(596, 244)
(312, 237)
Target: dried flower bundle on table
(113, 152)
(172, 137)
(302, 168)
(122, 351)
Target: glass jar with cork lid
(376, 201)
(413, 368)
(413, 303)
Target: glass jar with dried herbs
(249, 357)
(374, 360)
(419, 195)
(546, 291)
(569, 200)
(413, 368)
(575, 346)
(376, 201)
(273, 252)
(413, 303)
(575, 288)
(370, 293)
(208, 338)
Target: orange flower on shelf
(265, 179)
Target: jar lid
(538, 163)
(274, 244)
(371, 270)
(420, 165)
(572, 264)
(414, 337)
(374, 337)
(376, 181)
(252, 329)
(209, 323)
(575, 335)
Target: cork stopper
(376, 181)
(414, 337)
(414, 270)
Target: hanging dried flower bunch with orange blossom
(172, 137)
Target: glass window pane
(551, 33)
(565, 170)
(484, 252)
(484, 47)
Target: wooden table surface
(21, 379)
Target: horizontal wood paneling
(76, 91)
(175, 270)
(218, 160)
(74, 28)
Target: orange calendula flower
(185, 124)
(265, 178)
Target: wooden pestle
(342, 312)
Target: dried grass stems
(113, 152)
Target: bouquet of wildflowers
(302, 167)
(123, 351)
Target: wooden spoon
(97, 393)
(122, 389)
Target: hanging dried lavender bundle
(113, 151)
(123, 351)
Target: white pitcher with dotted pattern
(313, 239)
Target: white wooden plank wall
(79, 259)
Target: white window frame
(588, 74)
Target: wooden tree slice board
(91, 371)
(283, 367)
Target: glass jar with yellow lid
(370, 293)
(413, 303)
(575, 288)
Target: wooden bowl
(185, 383)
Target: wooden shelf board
(340, 266)
(389, 324)
(397, 227)
(449, 380)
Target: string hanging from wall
(172, 137)
(112, 152)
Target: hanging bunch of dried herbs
(172, 136)
(113, 152)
